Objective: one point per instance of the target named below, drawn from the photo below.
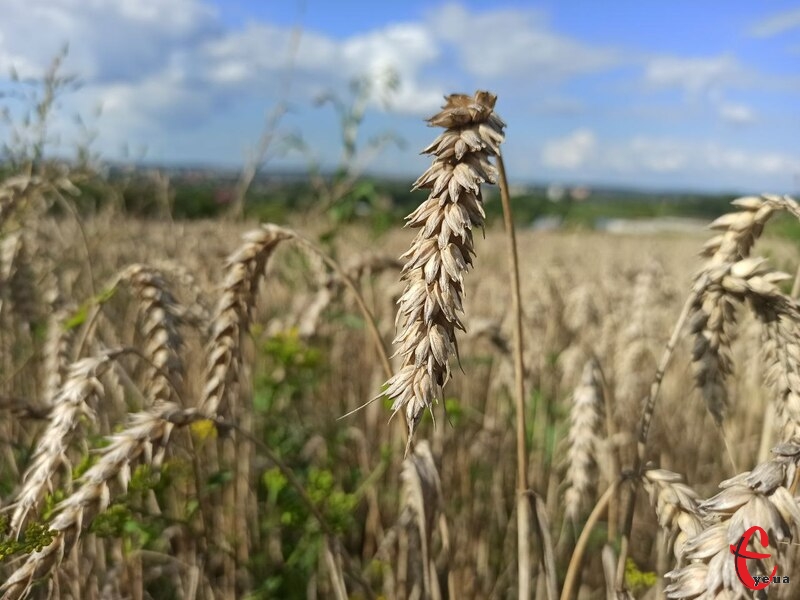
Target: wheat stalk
(421, 491)
(441, 253)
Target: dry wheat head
(441, 253)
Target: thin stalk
(796, 284)
(523, 503)
(359, 298)
(549, 555)
(580, 548)
(79, 222)
(644, 431)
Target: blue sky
(681, 95)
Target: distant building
(547, 223)
(580, 193)
(652, 226)
(555, 192)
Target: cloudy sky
(678, 94)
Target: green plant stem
(330, 534)
(523, 503)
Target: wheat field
(215, 409)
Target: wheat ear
(20, 190)
(712, 316)
(81, 390)
(781, 355)
(146, 435)
(710, 312)
(56, 350)
(232, 316)
(676, 506)
(160, 316)
(586, 423)
(758, 497)
(441, 253)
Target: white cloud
(263, 47)
(403, 49)
(737, 114)
(109, 39)
(515, 42)
(246, 57)
(661, 155)
(161, 66)
(693, 75)
(570, 152)
(776, 24)
(760, 163)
